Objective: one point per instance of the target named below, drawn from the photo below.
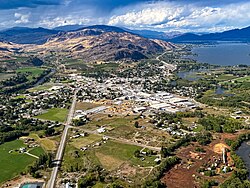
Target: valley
(103, 107)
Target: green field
(34, 70)
(54, 114)
(84, 141)
(37, 151)
(243, 79)
(112, 154)
(12, 164)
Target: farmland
(13, 163)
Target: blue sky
(161, 15)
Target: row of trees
(44, 162)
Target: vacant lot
(45, 86)
(54, 114)
(84, 141)
(86, 105)
(46, 143)
(112, 154)
(5, 76)
(12, 164)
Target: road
(170, 67)
(60, 150)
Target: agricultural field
(54, 114)
(12, 164)
(35, 71)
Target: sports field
(54, 114)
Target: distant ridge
(25, 35)
(231, 35)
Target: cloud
(21, 18)
(162, 15)
(60, 21)
(178, 16)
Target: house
(101, 130)
(22, 150)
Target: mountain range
(25, 35)
(231, 35)
(102, 43)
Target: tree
(49, 131)
(137, 153)
(136, 124)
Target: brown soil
(185, 175)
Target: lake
(244, 151)
(223, 53)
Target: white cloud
(21, 18)
(60, 21)
(188, 17)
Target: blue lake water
(223, 54)
(244, 153)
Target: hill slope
(104, 43)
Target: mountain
(69, 27)
(231, 35)
(25, 35)
(103, 43)
(155, 34)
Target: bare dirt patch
(185, 174)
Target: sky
(159, 15)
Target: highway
(60, 150)
(170, 67)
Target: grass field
(54, 114)
(112, 154)
(243, 79)
(84, 141)
(115, 121)
(74, 157)
(34, 70)
(12, 165)
(37, 151)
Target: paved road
(121, 140)
(60, 150)
(170, 67)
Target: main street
(60, 151)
